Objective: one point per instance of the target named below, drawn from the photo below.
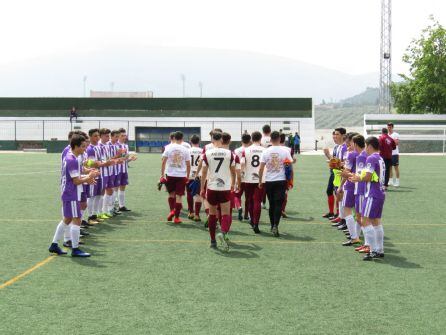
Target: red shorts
(176, 184)
(217, 197)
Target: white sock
(379, 235)
(121, 196)
(369, 233)
(60, 229)
(67, 232)
(90, 203)
(96, 199)
(366, 239)
(350, 221)
(341, 212)
(105, 203)
(75, 234)
(358, 230)
(100, 203)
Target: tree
(424, 89)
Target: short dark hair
(266, 129)
(104, 131)
(359, 140)
(76, 141)
(226, 138)
(373, 141)
(70, 135)
(92, 131)
(115, 132)
(385, 131)
(195, 139)
(122, 130)
(246, 138)
(216, 136)
(350, 135)
(390, 124)
(282, 138)
(178, 135)
(256, 136)
(341, 130)
(275, 135)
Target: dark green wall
(162, 107)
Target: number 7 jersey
(251, 161)
(219, 162)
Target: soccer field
(147, 276)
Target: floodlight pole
(385, 58)
(200, 84)
(183, 79)
(85, 86)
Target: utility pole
(200, 84)
(85, 86)
(385, 58)
(183, 79)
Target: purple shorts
(110, 181)
(104, 183)
(118, 179)
(359, 200)
(96, 189)
(124, 180)
(71, 209)
(87, 190)
(372, 208)
(83, 197)
(348, 200)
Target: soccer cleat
(67, 244)
(284, 215)
(222, 239)
(365, 250)
(190, 216)
(86, 224)
(214, 244)
(240, 214)
(170, 216)
(55, 249)
(177, 221)
(83, 232)
(92, 222)
(76, 252)
(328, 215)
(116, 212)
(246, 217)
(371, 256)
(346, 231)
(380, 254)
(336, 220)
(206, 223)
(360, 247)
(275, 231)
(103, 216)
(197, 218)
(256, 229)
(342, 226)
(335, 225)
(397, 184)
(124, 209)
(351, 242)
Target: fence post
(15, 130)
(444, 139)
(99, 126)
(43, 131)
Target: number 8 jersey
(219, 162)
(251, 160)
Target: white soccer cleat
(397, 183)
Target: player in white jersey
(273, 159)
(251, 169)
(291, 151)
(194, 201)
(395, 156)
(186, 145)
(266, 137)
(175, 168)
(246, 142)
(219, 173)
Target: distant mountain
(369, 97)
(223, 73)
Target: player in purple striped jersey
(71, 189)
(124, 176)
(374, 198)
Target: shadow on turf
(398, 261)
(234, 253)
(290, 217)
(200, 226)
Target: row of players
(357, 185)
(94, 177)
(217, 177)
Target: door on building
(153, 139)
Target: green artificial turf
(147, 276)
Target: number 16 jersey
(251, 159)
(219, 162)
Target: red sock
(206, 210)
(247, 207)
(331, 200)
(212, 224)
(171, 203)
(225, 223)
(197, 208)
(190, 202)
(237, 202)
(178, 207)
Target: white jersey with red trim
(195, 158)
(177, 156)
(265, 141)
(219, 162)
(251, 161)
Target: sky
(343, 35)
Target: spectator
(291, 141)
(296, 142)
(73, 114)
(386, 146)
(395, 156)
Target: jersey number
(194, 160)
(220, 162)
(255, 161)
